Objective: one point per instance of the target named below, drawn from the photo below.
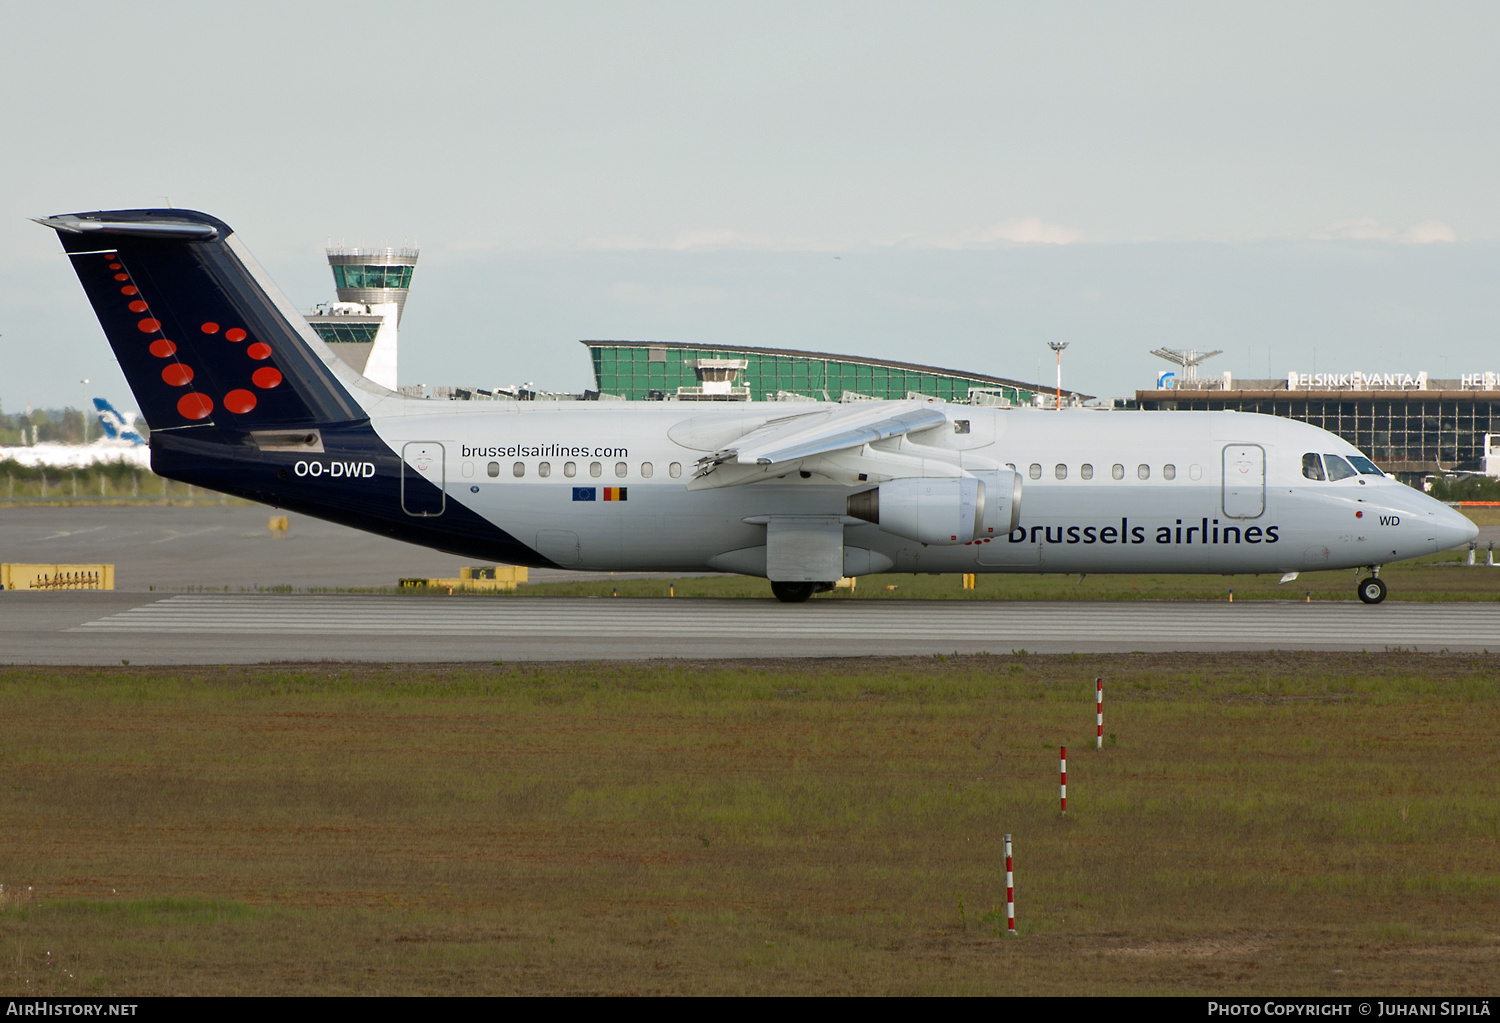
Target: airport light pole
(1058, 346)
(83, 409)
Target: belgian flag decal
(610, 493)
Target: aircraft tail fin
(202, 337)
(116, 425)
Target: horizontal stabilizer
(185, 229)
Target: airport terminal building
(675, 371)
(1412, 426)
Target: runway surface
(106, 628)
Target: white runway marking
(997, 626)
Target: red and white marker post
(1062, 757)
(1010, 893)
(1099, 711)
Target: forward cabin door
(1244, 481)
(423, 483)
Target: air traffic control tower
(361, 326)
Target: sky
(1306, 186)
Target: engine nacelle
(948, 510)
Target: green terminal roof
(634, 369)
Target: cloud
(1427, 231)
(1423, 232)
(708, 239)
(1024, 231)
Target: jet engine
(943, 511)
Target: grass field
(1318, 823)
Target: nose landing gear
(1371, 589)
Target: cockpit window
(1365, 466)
(1338, 469)
(1312, 466)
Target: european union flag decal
(583, 493)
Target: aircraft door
(558, 545)
(1244, 481)
(421, 465)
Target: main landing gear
(1371, 589)
(797, 593)
(792, 593)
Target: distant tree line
(1473, 488)
(53, 426)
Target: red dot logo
(129, 289)
(210, 327)
(122, 277)
(239, 401)
(234, 334)
(194, 405)
(259, 350)
(138, 306)
(177, 374)
(1359, 515)
(148, 326)
(162, 348)
(266, 377)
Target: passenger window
(1143, 471)
(674, 470)
(1195, 472)
(518, 470)
(570, 469)
(1169, 472)
(493, 469)
(467, 470)
(1036, 470)
(621, 469)
(1338, 469)
(1365, 466)
(1117, 471)
(1086, 471)
(596, 469)
(646, 470)
(960, 426)
(1060, 471)
(544, 470)
(1312, 466)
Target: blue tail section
(237, 399)
(115, 425)
(198, 337)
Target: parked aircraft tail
(115, 425)
(202, 336)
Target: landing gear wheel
(1371, 590)
(792, 593)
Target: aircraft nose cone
(1454, 530)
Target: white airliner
(120, 443)
(242, 397)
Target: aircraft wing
(797, 438)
